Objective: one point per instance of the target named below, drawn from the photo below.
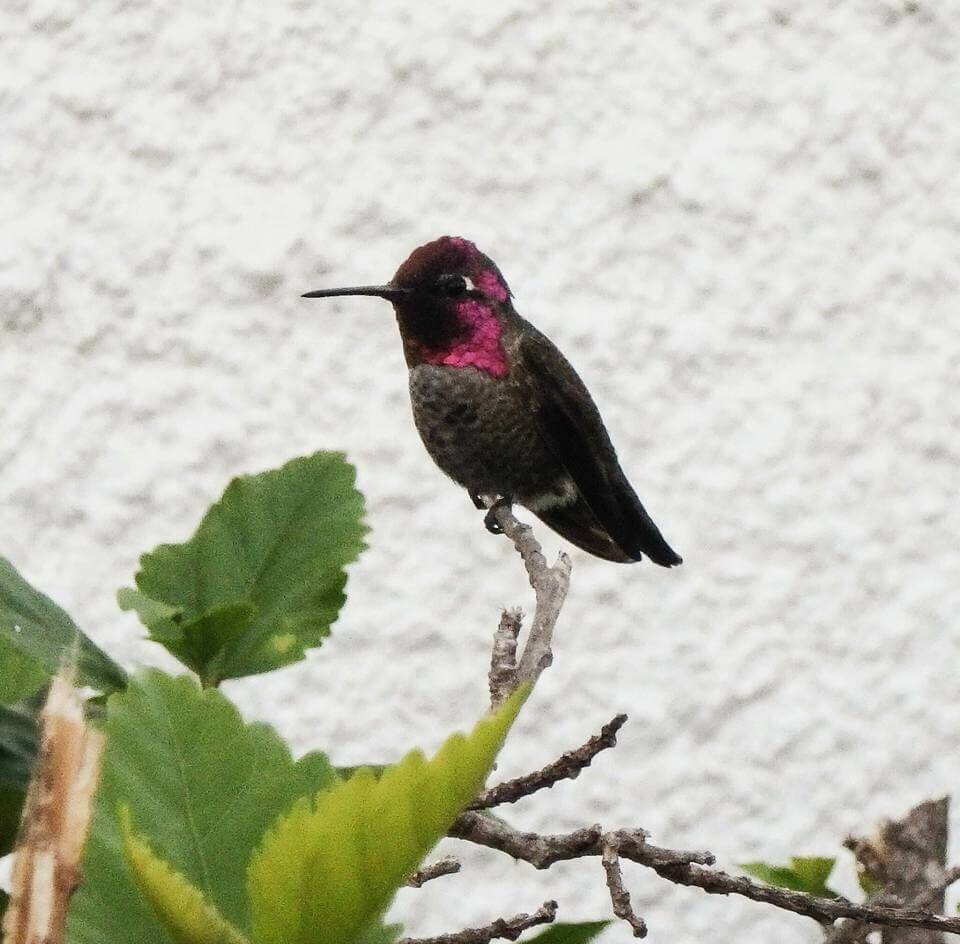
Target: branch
(542, 851)
(619, 896)
(907, 860)
(56, 817)
(682, 868)
(567, 767)
(509, 928)
(503, 659)
(550, 586)
(446, 866)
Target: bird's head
(451, 302)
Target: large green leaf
(35, 635)
(581, 932)
(202, 786)
(803, 874)
(330, 867)
(263, 577)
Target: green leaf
(18, 743)
(263, 577)
(329, 868)
(203, 787)
(186, 913)
(162, 620)
(814, 871)
(804, 874)
(35, 635)
(21, 675)
(580, 932)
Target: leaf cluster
(206, 830)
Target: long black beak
(389, 292)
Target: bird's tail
(637, 535)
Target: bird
(500, 409)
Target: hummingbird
(501, 411)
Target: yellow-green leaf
(186, 913)
(331, 865)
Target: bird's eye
(455, 285)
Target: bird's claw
(490, 518)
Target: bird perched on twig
(500, 409)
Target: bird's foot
(478, 502)
(490, 518)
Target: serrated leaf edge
(182, 908)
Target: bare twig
(542, 851)
(550, 585)
(56, 815)
(619, 896)
(445, 866)
(683, 868)
(503, 659)
(567, 767)
(509, 928)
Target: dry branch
(509, 928)
(907, 859)
(445, 866)
(503, 659)
(682, 868)
(566, 767)
(550, 586)
(619, 896)
(56, 815)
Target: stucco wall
(741, 222)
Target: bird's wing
(573, 429)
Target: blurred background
(740, 221)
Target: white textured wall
(741, 220)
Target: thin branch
(683, 868)
(550, 586)
(619, 896)
(542, 851)
(566, 767)
(509, 928)
(503, 659)
(445, 866)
